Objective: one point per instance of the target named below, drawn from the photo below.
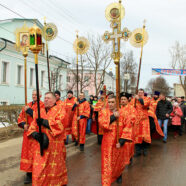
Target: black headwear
(101, 92)
(156, 93)
(125, 94)
(70, 92)
(57, 92)
(110, 92)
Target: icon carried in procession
(30, 38)
(22, 44)
(50, 32)
(81, 46)
(22, 38)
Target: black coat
(183, 108)
(163, 107)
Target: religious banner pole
(81, 46)
(49, 32)
(48, 67)
(77, 81)
(35, 35)
(138, 39)
(105, 94)
(22, 43)
(25, 54)
(139, 70)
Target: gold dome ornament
(139, 37)
(113, 11)
(81, 45)
(49, 31)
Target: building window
(3, 103)
(42, 78)
(42, 52)
(4, 72)
(19, 74)
(68, 79)
(60, 82)
(31, 77)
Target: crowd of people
(123, 132)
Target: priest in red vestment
(142, 126)
(131, 112)
(26, 153)
(102, 102)
(79, 123)
(155, 128)
(69, 103)
(113, 153)
(59, 102)
(49, 169)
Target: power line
(14, 34)
(66, 12)
(11, 10)
(29, 6)
(31, 21)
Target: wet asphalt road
(165, 165)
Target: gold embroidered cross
(53, 164)
(55, 153)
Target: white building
(12, 66)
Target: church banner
(172, 72)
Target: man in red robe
(113, 152)
(102, 102)
(155, 128)
(49, 169)
(58, 100)
(24, 121)
(69, 103)
(79, 123)
(131, 112)
(142, 126)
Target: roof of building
(51, 56)
(22, 19)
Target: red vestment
(97, 108)
(26, 153)
(69, 103)
(113, 159)
(152, 113)
(142, 126)
(84, 110)
(60, 102)
(130, 111)
(50, 169)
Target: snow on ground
(5, 123)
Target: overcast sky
(166, 23)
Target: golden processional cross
(115, 13)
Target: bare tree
(178, 55)
(99, 58)
(159, 84)
(84, 74)
(128, 66)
